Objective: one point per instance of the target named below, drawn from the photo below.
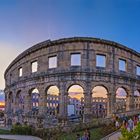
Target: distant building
(99, 107)
(2, 100)
(78, 105)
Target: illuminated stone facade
(52, 67)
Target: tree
(133, 135)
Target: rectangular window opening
(138, 70)
(100, 60)
(52, 62)
(20, 72)
(122, 65)
(34, 66)
(76, 59)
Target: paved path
(19, 137)
(115, 136)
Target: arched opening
(9, 122)
(137, 99)
(35, 100)
(19, 101)
(137, 93)
(10, 101)
(19, 106)
(121, 96)
(75, 106)
(52, 104)
(99, 102)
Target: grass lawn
(4, 131)
(95, 135)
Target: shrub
(22, 130)
(132, 135)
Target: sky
(24, 23)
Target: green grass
(95, 135)
(4, 131)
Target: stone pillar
(129, 103)
(63, 101)
(108, 105)
(13, 101)
(111, 104)
(87, 107)
(42, 101)
(27, 101)
(130, 100)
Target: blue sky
(24, 23)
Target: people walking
(117, 124)
(130, 124)
(85, 136)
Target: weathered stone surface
(87, 75)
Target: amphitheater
(56, 81)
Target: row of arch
(75, 101)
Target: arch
(80, 83)
(52, 102)
(126, 88)
(137, 99)
(137, 93)
(10, 101)
(10, 95)
(77, 89)
(19, 106)
(33, 90)
(121, 99)
(98, 89)
(9, 122)
(121, 92)
(52, 89)
(50, 84)
(100, 101)
(101, 84)
(75, 104)
(17, 97)
(18, 93)
(33, 100)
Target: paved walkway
(19, 137)
(115, 136)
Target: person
(117, 124)
(139, 117)
(88, 133)
(135, 120)
(130, 124)
(85, 136)
(124, 124)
